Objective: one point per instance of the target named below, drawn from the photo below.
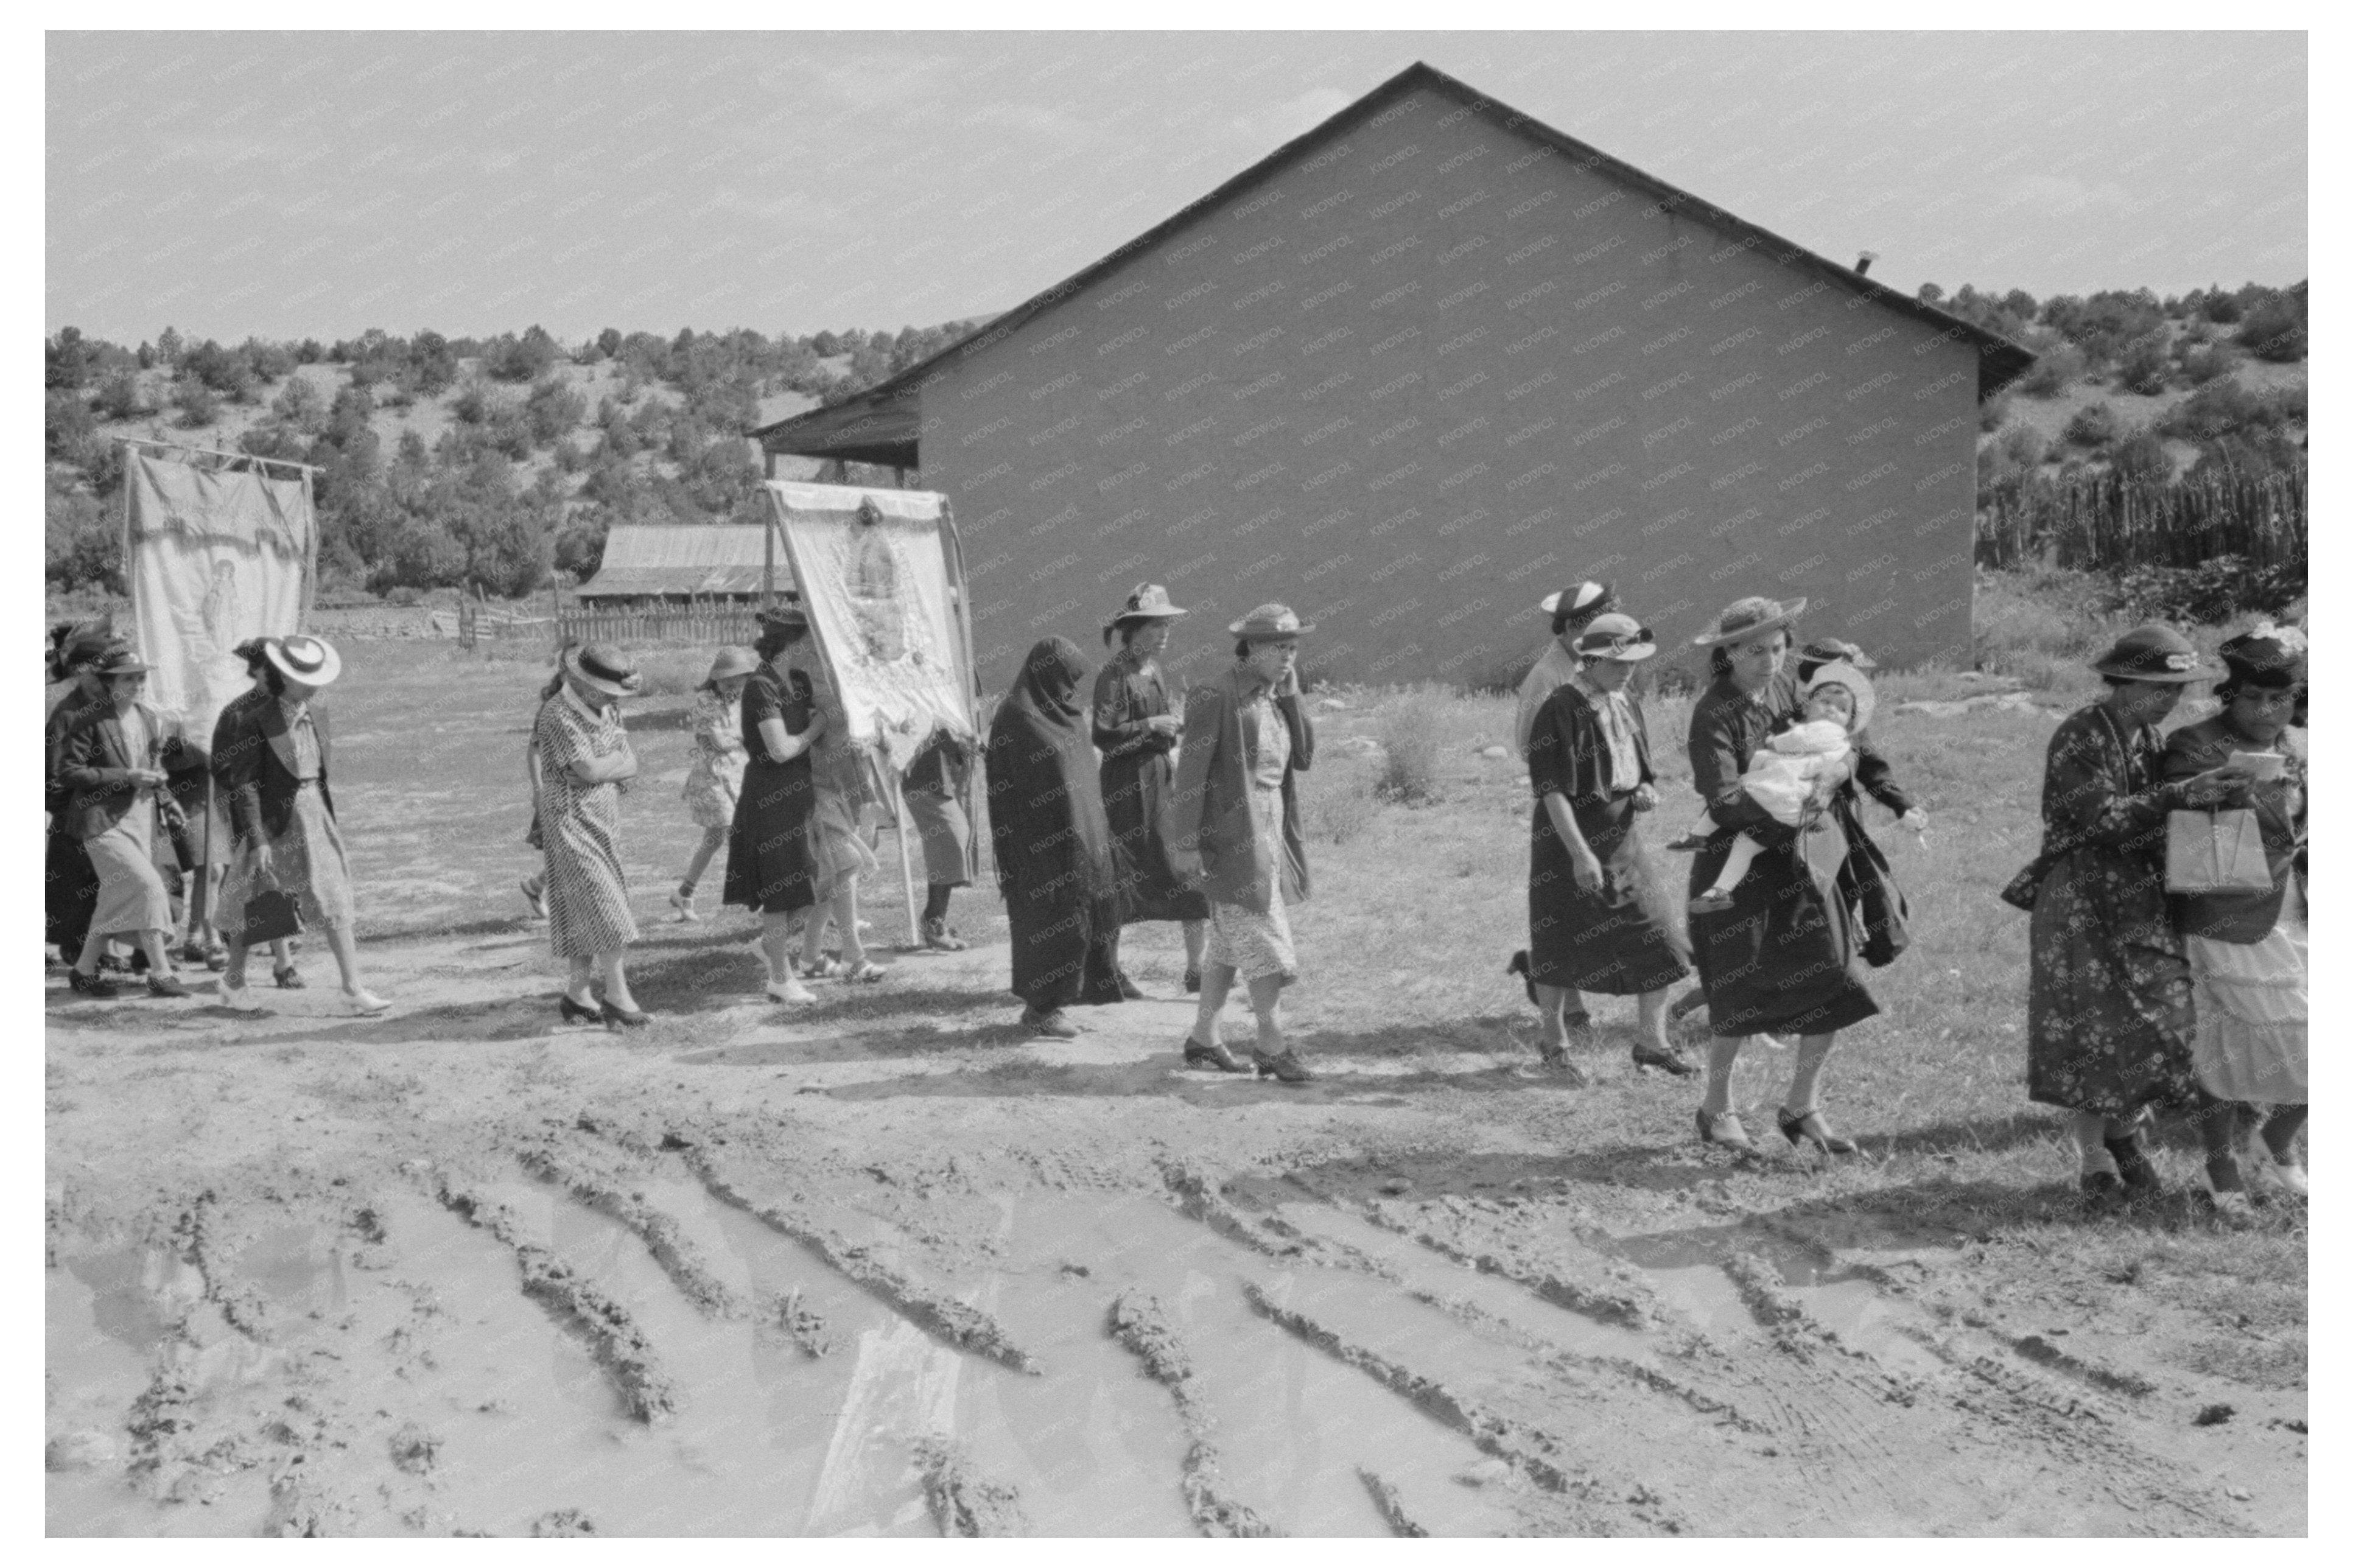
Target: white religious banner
(872, 569)
(214, 555)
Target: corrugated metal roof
(880, 424)
(684, 558)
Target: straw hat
(2266, 656)
(119, 660)
(1148, 603)
(1618, 638)
(730, 662)
(603, 667)
(1823, 650)
(1269, 622)
(2153, 653)
(1574, 607)
(1745, 618)
(313, 662)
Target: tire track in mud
(1537, 1453)
(679, 1258)
(966, 1503)
(613, 1340)
(963, 1328)
(1140, 1325)
(1385, 1498)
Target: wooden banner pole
(906, 861)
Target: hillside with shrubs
(2159, 440)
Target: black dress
(1135, 777)
(769, 866)
(69, 882)
(1619, 939)
(1783, 959)
(1055, 860)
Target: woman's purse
(2027, 885)
(1885, 915)
(270, 916)
(2215, 852)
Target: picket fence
(2108, 521)
(704, 626)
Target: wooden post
(906, 861)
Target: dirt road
(885, 1267)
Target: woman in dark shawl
(1055, 862)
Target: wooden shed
(1420, 366)
(683, 562)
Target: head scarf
(1044, 799)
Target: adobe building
(1421, 366)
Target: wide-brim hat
(1575, 607)
(1618, 638)
(1268, 622)
(1748, 617)
(313, 662)
(2153, 653)
(89, 640)
(603, 667)
(119, 660)
(732, 662)
(788, 614)
(1824, 650)
(2268, 655)
(1844, 672)
(1148, 603)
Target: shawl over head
(1045, 798)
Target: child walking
(715, 776)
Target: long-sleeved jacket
(1872, 775)
(253, 764)
(94, 766)
(2281, 811)
(1209, 810)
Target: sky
(299, 184)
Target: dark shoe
(1724, 1127)
(165, 986)
(192, 953)
(1285, 1068)
(97, 985)
(1198, 1055)
(1684, 1005)
(2139, 1177)
(2101, 1188)
(1192, 983)
(940, 939)
(1554, 1060)
(1049, 1025)
(1129, 991)
(288, 978)
(1670, 1060)
(573, 1013)
(1519, 966)
(1809, 1128)
(613, 1015)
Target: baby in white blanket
(1795, 770)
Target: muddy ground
(884, 1265)
(462, 1271)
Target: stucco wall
(1433, 373)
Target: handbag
(271, 915)
(1869, 883)
(2215, 852)
(2027, 885)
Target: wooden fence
(702, 625)
(2107, 522)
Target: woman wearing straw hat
(1235, 833)
(771, 870)
(1598, 919)
(2108, 1009)
(109, 762)
(1572, 610)
(715, 773)
(1136, 732)
(272, 756)
(2249, 954)
(585, 759)
(1784, 958)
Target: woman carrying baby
(1782, 957)
(1799, 771)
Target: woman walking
(585, 759)
(108, 761)
(69, 882)
(1055, 859)
(1783, 959)
(838, 847)
(770, 868)
(1234, 821)
(2248, 951)
(273, 751)
(534, 886)
(714, 774)
(1597, 917)
(1572, 610)
(933, 794)
(2108, 1015)
(1136, 732)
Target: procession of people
(2168, 947)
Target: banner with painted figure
(872, 569)
(214, 555)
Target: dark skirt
(770, 868)
(1783, 959)
(1135, 801)
(1063, 951)
(71, 895)
(1616, 941)
(2110, 1023)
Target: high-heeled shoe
(2133, 1165)
(1808, 1127)
(572, 1012)
(1283, 1066)
(288, 978)
(625, 1016)
(1198, 1055)
(1724, 1127)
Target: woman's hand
(1163, 724)
(2218, 786)
(1187, 864)
(1585, 868)
(1646, 798)
(149, 778)
(264, 864)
